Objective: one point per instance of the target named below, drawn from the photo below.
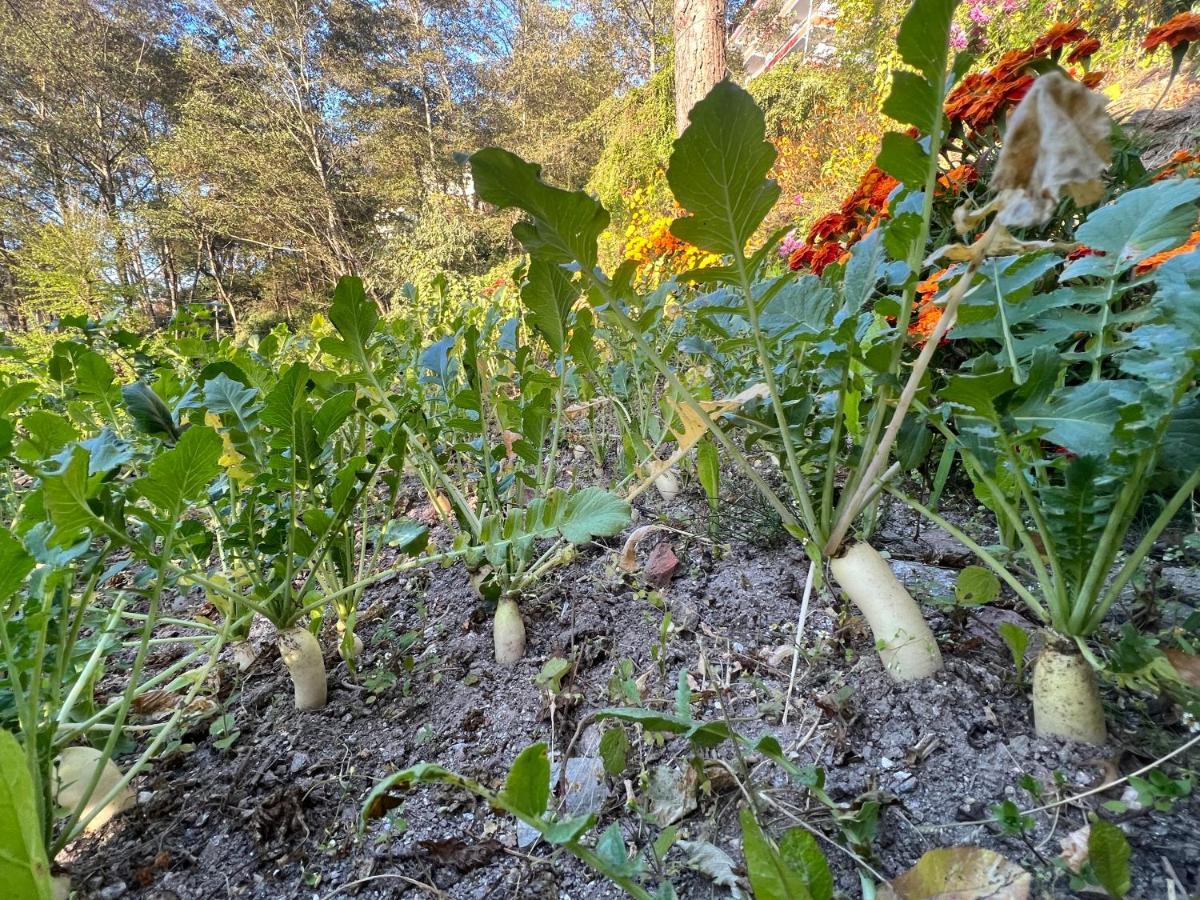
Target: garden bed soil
(275, 814)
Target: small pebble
(113, 891)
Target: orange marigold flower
(931, 285)
(1060, 35)
(1081, 252)
(958, 178)
(926, 321)
(1150, 263)
(1083, 50)
(1092, 79)
(1182, 29)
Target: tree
(699, 53)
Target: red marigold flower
(829, 225)
(1150, 263)
(1081, 252)
(1182, 29)
(1060, 35)
(1083, 50)
(1092, 79)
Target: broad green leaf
(904, 159)
(611, 850)
(708, 469)
(1136, 225)
(240, 406)
(770, 877)
(527, 787)
(1108, 853)
(66, 494)
(592, 513)
(976, 586)
(13, 396)
(912, 100)
(959, 872)
(47, 434)
(867, 259)
(93, 374)
(355, 316)
(565, 224)
(1182, 437)
(149, 413)
(614, 748)
(183, 472)
(565, 831)
(548, 295)
(718, 172)
(802, 854)
(1016, 639)
(1080, 418)
(24, 870)
(15, 564)
(924, 38)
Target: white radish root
(74, 769)
(245, 654)
(301, 653)
(667, 485)
(1066, 698)
(906, 644)
(508, 633)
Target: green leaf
(13, 396)
(904, 159)
(611, 850)
(47, 434)
(1017, 640)
(24, 870)
(66, 494)
(802, 854)
(976, 586)
(912, 101)
(770, 877)
(565, 224)
(708, 469)
(548, 295)
(15, 564)
(355, 316)
(183, 472)
(614, 749)
(718, 172)
(1136, 225)
(647, 718)
(527, 787)
(924, 38)
(566, 831)
(592, 513)
(149, 413)
(1081, 418)
(1108, 853)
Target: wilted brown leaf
(1186, 665)
(458, 853)
(1057, 143)
(960, 873)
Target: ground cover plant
(716, 572)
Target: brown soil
(275, 815)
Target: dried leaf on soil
(960, 873)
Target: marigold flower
(1060, 35)
(828, 226)
(1182, 29)
(926, 321)
(958, 178)
(1092, 80)
(816, 258)
(1150, 263)
(1083, 50)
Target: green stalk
(689, 400)
(1142, 549)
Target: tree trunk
(699, 53)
